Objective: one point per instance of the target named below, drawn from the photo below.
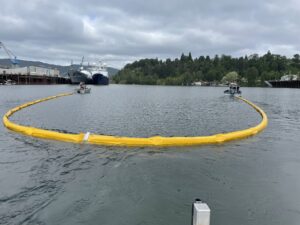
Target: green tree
(230, 77)
(252, 70)
(251, 75)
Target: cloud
(120, 31)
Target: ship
(95, 73)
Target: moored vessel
(95, 73)
(10, 82)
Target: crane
(11, 55)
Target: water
(251, 181)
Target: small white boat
(233, 89)
(82, 89)
(10, 82)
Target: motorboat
(10, 82)
(95, 73)
(82, 89)
(233, 89)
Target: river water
(250, 181)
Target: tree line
(250, 70)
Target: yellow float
(156, 141)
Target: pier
(33, 79)
(285, 83)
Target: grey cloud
(121, 31)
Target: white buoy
(86, 136)
(201, 213)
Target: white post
(201, 213)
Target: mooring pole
(201, 213)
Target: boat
(91, 74)
(10, 82)
(82, 89)
(197, 83)
(233, 89)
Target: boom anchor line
(156, 141)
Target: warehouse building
(31, 70)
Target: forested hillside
(252, 70)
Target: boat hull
(77, 77)
(83, 91)
(232, 92)
(100, 79)
(97, 79)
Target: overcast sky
(121, 31)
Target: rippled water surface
(251, 181)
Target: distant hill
(62, 69)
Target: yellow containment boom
(156, 141)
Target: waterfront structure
(31, 70)
(32, 75)
(286, 81)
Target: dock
(284, 83)
(33, 79)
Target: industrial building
(29, 74)
(30, 70)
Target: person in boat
(231, 89)
(81, 86)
